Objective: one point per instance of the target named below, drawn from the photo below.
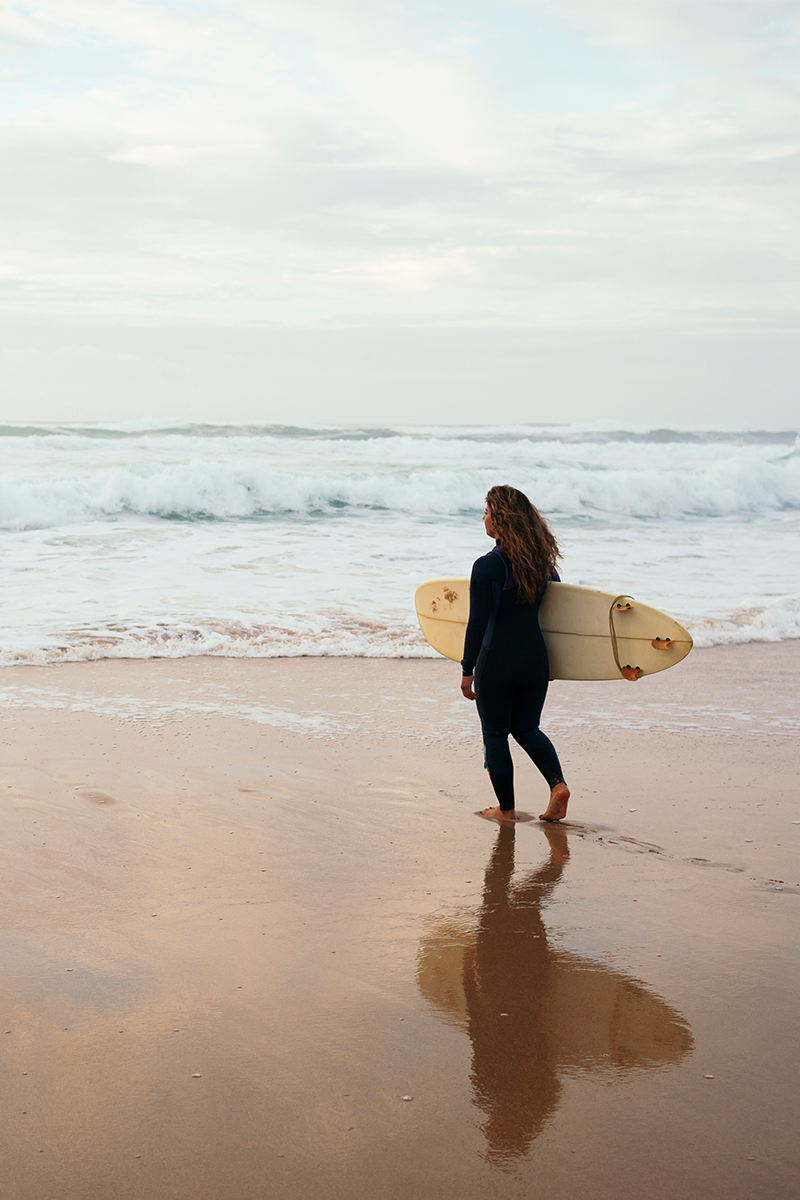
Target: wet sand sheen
(248, 908)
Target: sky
(400, 210)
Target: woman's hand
(467, 688)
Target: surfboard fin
(662, 643)
(622, 605)
(632, 673)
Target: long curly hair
(526, 538)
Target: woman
(504, 651)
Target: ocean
(142, 540)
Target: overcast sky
(387, 210)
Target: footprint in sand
(94, 796)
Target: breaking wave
(210, 490)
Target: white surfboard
(589, 634)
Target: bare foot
(499, 814)
(557, 808)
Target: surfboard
(589, 634)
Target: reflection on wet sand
(535, 1014)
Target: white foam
(776, 622)
(341, 638)
(142, 542)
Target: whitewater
(143, 540)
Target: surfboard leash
(622, 604)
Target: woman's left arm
(480, 607)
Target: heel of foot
(557, 808)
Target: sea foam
(142, 541)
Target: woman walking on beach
(505, 665)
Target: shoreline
(419, 651)
(268, 874)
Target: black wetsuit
(505, 650)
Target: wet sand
(248, 908)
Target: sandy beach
(256, 942)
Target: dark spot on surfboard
(450, 596)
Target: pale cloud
(480, 164)
(696, 26)
(158, 156)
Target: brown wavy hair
(526, 538)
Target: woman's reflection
(534, 1014)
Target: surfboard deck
(589, 634)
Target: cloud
(344, 161)
(696, 26)
(157, 156)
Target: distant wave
(208, 490)
(593, 433)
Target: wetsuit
(505, 650)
